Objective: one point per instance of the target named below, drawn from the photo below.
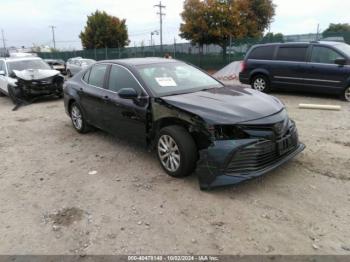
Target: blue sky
(27, 21)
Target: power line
(53, 35)
(161, 14)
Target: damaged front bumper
(24, 92)
(230, 162)
(40, 87)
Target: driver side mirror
(128, 93)
(340, 61)
(2, 72)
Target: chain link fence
(209, 57)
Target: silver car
(75, 65)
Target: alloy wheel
(259, 84)
(347, 94)
(77, 117)
(169, 153)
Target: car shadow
(304, 94)
(191, 182)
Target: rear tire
(2, 94)
(261, 83)
(176, 151)
(346, 94)
(78, 120)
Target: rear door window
(97, 75)
(262, 53)
(324, 55)
(292, 53)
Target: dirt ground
(52, 203)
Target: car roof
(331, 43)
(10, 59)
(141, 61)
(51, 59)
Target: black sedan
(226, 134)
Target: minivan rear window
(262, 53)
(292, 53)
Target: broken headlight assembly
(227, 132)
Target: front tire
(69, 73)
(346, 94)
(261, 83)
(78, 120)
(15, 94)
(176, 151)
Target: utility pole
(161, 14)
(152, 42)
(3, 42)
(3, 38)
(53, 35)
(318, 32)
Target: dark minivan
(322, 67)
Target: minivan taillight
(243, 66)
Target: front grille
(260, 155)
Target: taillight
(243, 66)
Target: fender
(164, 114)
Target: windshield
(175, 78)
(344, 48)
(27, 64)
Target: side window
(324, 55)
(295, 53)
(121, 78)
(262, 53)
(86, 76)
(97, 75)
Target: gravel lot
(50, 204)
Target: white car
(23, 78)
(75, 65)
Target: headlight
(224, 132)
(12, 82)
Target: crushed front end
(247, 150)
(33, 84)
(42, 87)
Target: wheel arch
(347, 83)
(257, 72)
(70, 103)
(200, 139)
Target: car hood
(35, 74)
(227, 105)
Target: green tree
(218, 21)
(336, 28)
(273, 38)
(195, 28)
(103, 30)
(340, 30)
